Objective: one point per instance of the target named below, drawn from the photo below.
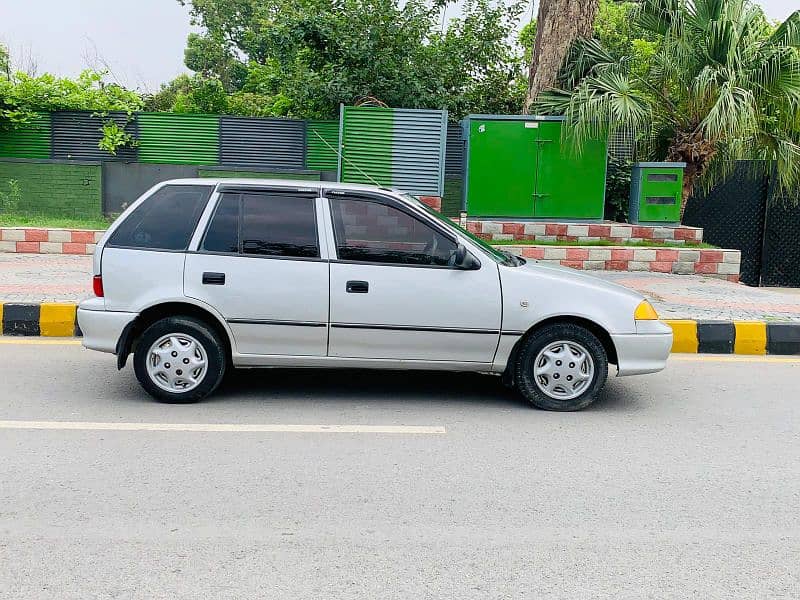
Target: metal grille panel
(178, 138)
(251, 142)
(781, 259)
(418, 151)
(454, 153)
(76, 136)
(732, 216)
(31, 140)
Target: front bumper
(101, 329)
(645, 351)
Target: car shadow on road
(348, 386)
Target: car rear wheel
(179, 360)
(562, 367)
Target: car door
(259, 264)
(393, 294)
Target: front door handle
(357, 287)
(213, 278)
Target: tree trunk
(559, 23)
(696, 151)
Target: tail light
(97, 285)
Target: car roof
(293, 183)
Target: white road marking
(40, 342)
(220, 427)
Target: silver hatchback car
(199, 275)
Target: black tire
(216, 358)
(531, 347)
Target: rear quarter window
(165, 220)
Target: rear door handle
(213, 278)
(357, 287)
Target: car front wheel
(179, 360)
(562, 367)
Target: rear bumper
(643, 352)
(101, 328)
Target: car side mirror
(464, 260)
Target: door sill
(336, 362)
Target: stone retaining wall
(34, 240)
(723, 264)
(582, 232)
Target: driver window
(373, 232)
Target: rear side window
(264, 223)
(165, 220)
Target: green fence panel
(52, 188)
(259, 174)
(178, 138)
(322, 141)
(28, 140)
(366, 145)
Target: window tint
(374, 232)
(223, 231)
(279, 224)
(165, 220)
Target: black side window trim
(333, 194)
(262, 191)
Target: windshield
(499, 256)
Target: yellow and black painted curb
(735, 337)
(52, 319)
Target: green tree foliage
(303, 57)
(22, 95)
(722, 85)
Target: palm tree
(723, 85)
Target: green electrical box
(518, 166)
(656, 191)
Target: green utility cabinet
(656, 191)
(518, 166)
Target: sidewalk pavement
(35, 278)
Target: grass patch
(23, 220)
(643, 243)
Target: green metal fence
(178, 138)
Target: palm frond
(788, 32)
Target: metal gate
(732, 216)
(747, 213)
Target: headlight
(645, 312)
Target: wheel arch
(130, 335)
(599, 331)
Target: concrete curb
(51, 319)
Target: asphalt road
(685, 484)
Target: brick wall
(583, 232)
(55, 188)
(722, 264)
(34, 240)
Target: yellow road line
(220, 427)
(37, 342)
(733, 358)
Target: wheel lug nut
(174, 354)
(558, 363)
(186, 361)
(569, 377)
(166, 365)
(571, 365)
(556, 376)
(179, 372)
